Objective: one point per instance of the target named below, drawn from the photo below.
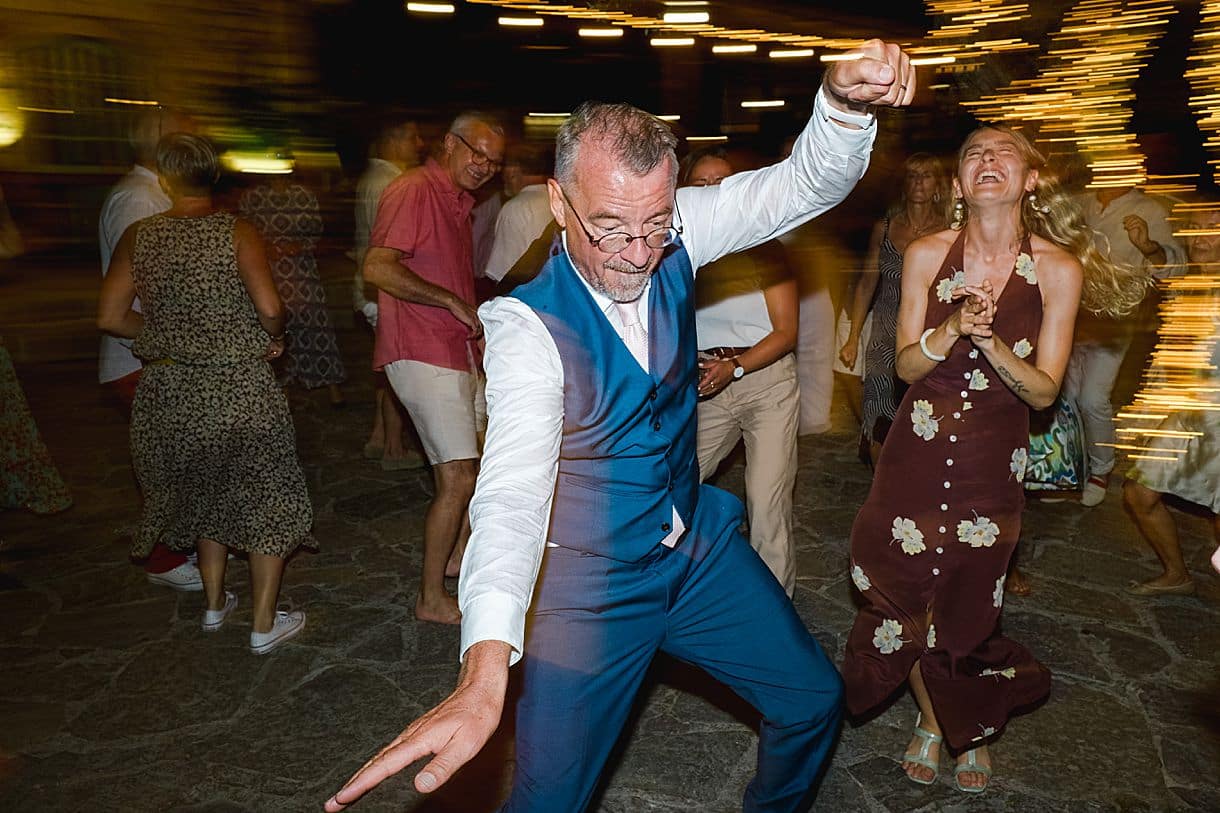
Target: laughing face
(994, 166)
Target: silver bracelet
(923, 346)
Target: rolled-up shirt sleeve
(749, 208)
(511, 508)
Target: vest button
(652, 396)
(665, 527)
(657, 426)
(669, 487)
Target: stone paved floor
(111, 699)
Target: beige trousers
(763, 409)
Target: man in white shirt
(138, 195)
(398, 146)
(590, 458)
(1132, 229)
(526, 213)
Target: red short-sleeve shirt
(424, 215)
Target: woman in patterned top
(984, 333)
(212, 439)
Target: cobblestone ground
(112, 699)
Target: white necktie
(634, 335)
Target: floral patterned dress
(28, 477)
(931, 544)
(289, 218)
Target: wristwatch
(738, 370)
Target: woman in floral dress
(984, 333)
(212, 438)
(287, 215)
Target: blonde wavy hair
(1109, 289)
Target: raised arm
(829, 157)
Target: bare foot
(970, 778)
(1018, 583)
(443, 611)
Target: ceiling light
(671, 42)
(685, 17)
(794, 53)
(734, 49)
(431, 8)
(59, 111)
(670, 117)
(137, 102)
(522, 22)
(763, 103)
(600, 32)
(707, 138)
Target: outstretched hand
(453, 732)
(881, 75)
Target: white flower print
(931, 636)
(1009, 673)
(888, 636)
(1022, 348)
(981, 533)
(1025, 268)
(978, 381)
(946, 287)
(904, 531)
(967, 405)
(922, 422)
(987, 732)
(997, 595)
(1019, 462)
(860, 578)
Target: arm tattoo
(1013, 383)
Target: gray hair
(187, 162)
(640, 140)
(465, 120)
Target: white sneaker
(184, 577)
(285, 626)
(213, 619)
(1094, 492)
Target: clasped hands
(975, 316)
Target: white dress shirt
(511, 507)
(136, 196)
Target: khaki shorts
(447, 407)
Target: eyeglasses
(617, 241)
(478, 156)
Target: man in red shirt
(421, 260)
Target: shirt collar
(437, 172)
(144, 172)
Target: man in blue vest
(588, 511)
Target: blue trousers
(595, 626)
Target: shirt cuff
(825, 111)
(493, 617)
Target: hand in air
(881, 75)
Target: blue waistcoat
(627, 458)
